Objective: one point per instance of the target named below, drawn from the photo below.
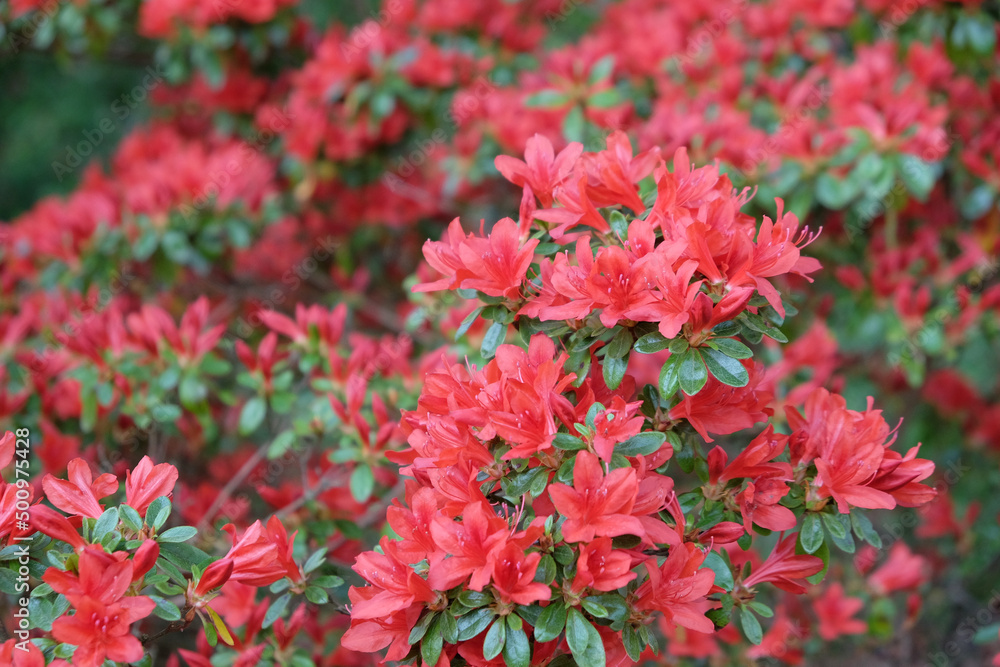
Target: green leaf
(751, 627)
(362, 483)
(106, 523)
(551, 622)
(731, 348)
(568, 442)
(823, 553)
(327, 581)
(614, 371)
(252, 415)
(449, 627)
(467, 322)
(670, 378)
(811, 533)
(604, 99)
(918, 176)
(546, 572)
(474, 599)
(642, 444)
(633, 646)
(421, 627)
(192, 391)
(723, 573)
(844, 542)
(594, 607)
(584, 640)
(317, 595)
(834, 193)
(577, 632)
(495, 335)
(601, 70)
(276, 609)
(158, 512)
(574, 124)
(432, 643)
(546, 99)
(473, 623)
(281, 444)
(651, 343)
(863, 529)
(516, 650)
(834, 525)
(315, 560)
(177, 534)
(165, 609)
(692, 375)
(620, 345)
(726, 370)
(495, 639)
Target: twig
(327, 481)
(233, 484)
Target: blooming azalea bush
(664, 403)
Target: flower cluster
(543, 501)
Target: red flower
(785, 569)
(903, 570)
(601, 567)
(81, 493)
(836, 613)
(255, 557)
(394, 584)
(514, 573)
(30, 656)
(55, 525)
(597, 505)
(101, 625)
(146, 482)
(851, 453)
(214, 576)
(495, 265)
(616, 424)
(759, 505)
(466, 547)
(103, 631)
(374, 634)
(678, 588)
(541, 170)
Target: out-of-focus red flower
(836, 611)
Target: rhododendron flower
(55, 525)
(103, 631)
(394, 584)
(466, 547)
(80, 494)
(256, 561)
(850, 450)
(374, 634)
(214, 576)
(146, 482)
(24, 655)
(785, 569)
(541, 170)
(602, 568)
(678, 588)
(836, 613)
(902, 571)
(597, 505)
(514, 574)
(495, 265)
